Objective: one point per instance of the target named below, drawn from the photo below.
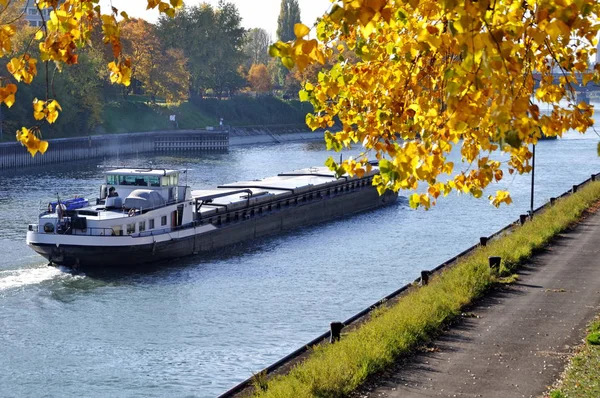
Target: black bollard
(593, 177)
(483, 240)
(494, 262)
(523, 218)
(574, 188)
(336, 331)
(552, 201)
(425, 277)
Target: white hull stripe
(34, 238)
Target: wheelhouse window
(142, 180)
(154, 181)
(130, 229)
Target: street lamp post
(532, 181)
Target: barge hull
(269, 224)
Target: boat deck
(270, 189)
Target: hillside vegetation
(137, 115)
(130, 116)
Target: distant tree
(259, 78)
(175, 78)
(256, 47)
(278, 73)
(161, 72)
(192, 30)
(228, 55)
(212, 41)
(289, 15)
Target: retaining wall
(14, 155)
(272, 135)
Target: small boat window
(130, 229)
(142, 226)
(163, 220)
(154, 181)
(170, 180)
(151, 224)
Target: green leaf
(385, 166)
(274, 51)
(303, 94)
(288, 62)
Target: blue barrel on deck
(71, 204)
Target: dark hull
(269, 224)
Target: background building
(32, 15)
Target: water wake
(12, 279)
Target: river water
(197, 326)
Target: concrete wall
(272, 135)
(13, 155)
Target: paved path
(515, 341)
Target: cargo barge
(145, 215)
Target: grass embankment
(135, 116)
(582, 378)
(335, 370)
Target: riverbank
(394, 331)
(517, 339)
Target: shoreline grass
(582, 377)
(338, 369)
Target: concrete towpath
(515, 341)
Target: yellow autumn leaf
(301, 30)
(28, 139)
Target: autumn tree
(256, 46)
(160, 71)
(79, 87)
(435, 77)
(66, 29)
(259, 78)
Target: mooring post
(336, 331)
(483, 241)
(574, 188)
(425, 277)
(494, 262)
(593, 177)
(552, 201)
(523, 218)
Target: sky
(254, 13)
